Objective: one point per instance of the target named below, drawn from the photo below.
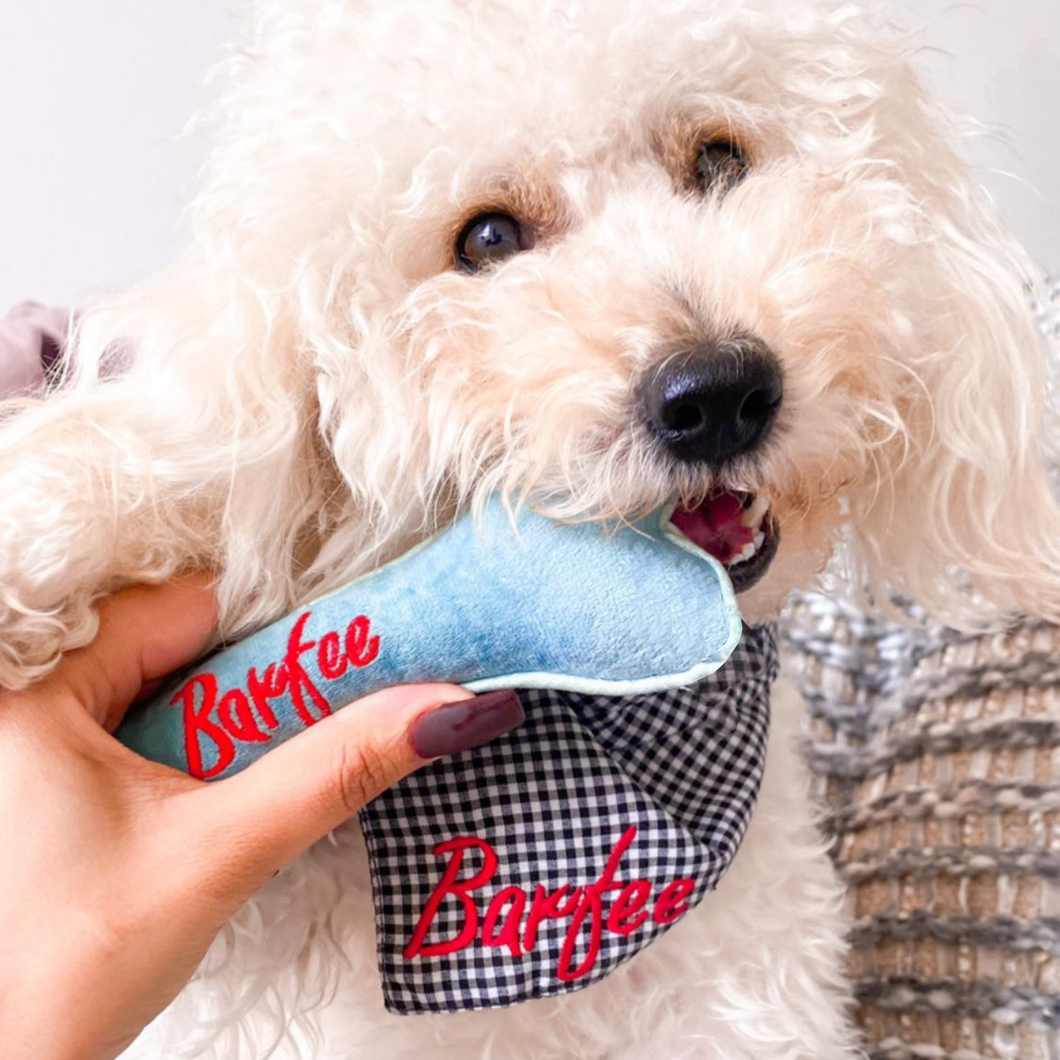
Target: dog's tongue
(716, 526)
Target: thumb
(270, 813)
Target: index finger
(145, 633)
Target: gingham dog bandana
(541, 862)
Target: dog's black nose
(713, 404)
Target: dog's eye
(488, 239)
(720, 166)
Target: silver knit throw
(938, 755)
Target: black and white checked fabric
(554, 802)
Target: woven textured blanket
(938, 755)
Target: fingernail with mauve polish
(455, 727)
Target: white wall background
(93, 175)
(999, 62)
(93, 97)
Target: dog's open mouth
(737, 529)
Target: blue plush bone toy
(485, 604)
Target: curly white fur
(313, 387)
(754, 972)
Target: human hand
(117, 872)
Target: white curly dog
(594, 255)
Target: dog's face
(609, 255)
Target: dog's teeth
(754, 515)
(743, 555)
(748, 550)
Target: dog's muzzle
(715, 403)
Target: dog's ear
(209, 414)
(965, 509)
